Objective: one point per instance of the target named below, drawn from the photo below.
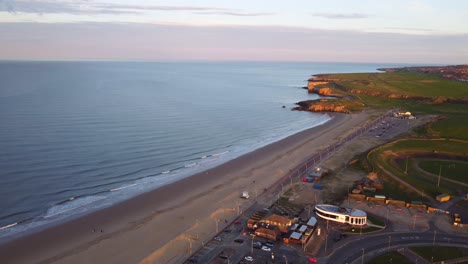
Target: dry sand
(163, 225)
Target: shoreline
(4, 239)
(140, 228)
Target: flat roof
(303, 228)
(341, 210)
(357, 212)
(312, 221)
(296, 235)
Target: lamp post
(285, 258)
(326, 243)
(362, 259)
(389, 241)
(251, 247)
(440, 172)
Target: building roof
(303, 228)
(341, 210)
(278, 219)
(312, 221)
(357, 212)
(296, 235)
(317, 172)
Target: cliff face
(312, 85)
(332, 105)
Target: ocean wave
(123, 187)
(72, 204)
(8, 226)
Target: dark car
(257, 246)
(227, 230)
(222, 256)
(239, 240)
(193, 260)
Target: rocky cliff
(330, 105)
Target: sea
(80, 136)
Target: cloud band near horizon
(133, 41)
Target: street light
(326, 243)
(251, 246)
(389, 241)
(285, 258)
(362, 259)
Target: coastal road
(362, 250)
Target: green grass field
(392, 157)
(454, 126)
(449, 169)
(375, 220)
(405, 83)
(390, 258)
(439, 253)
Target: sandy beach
(159, 226)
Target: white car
(265, 248)
(248, 258)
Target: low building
(404, 115)
(270, 232)
(341, 214)
(283, 223)
(312, 222)
(443, 198)
(318, 173)
(293, 238)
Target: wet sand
(161, 225)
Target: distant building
(341, 214)
(443, 197)
(312, 222)
(404, 115)
(283, 223)
(272, 232)
(315, 175)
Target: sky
(397, 31)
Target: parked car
(227, 230)
(248, 258)
(257, 245)
(239, 240)
(312, 260)
(265, 248)
(218, 238)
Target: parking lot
(237, 244)
(390, 127)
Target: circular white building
(341, 214)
